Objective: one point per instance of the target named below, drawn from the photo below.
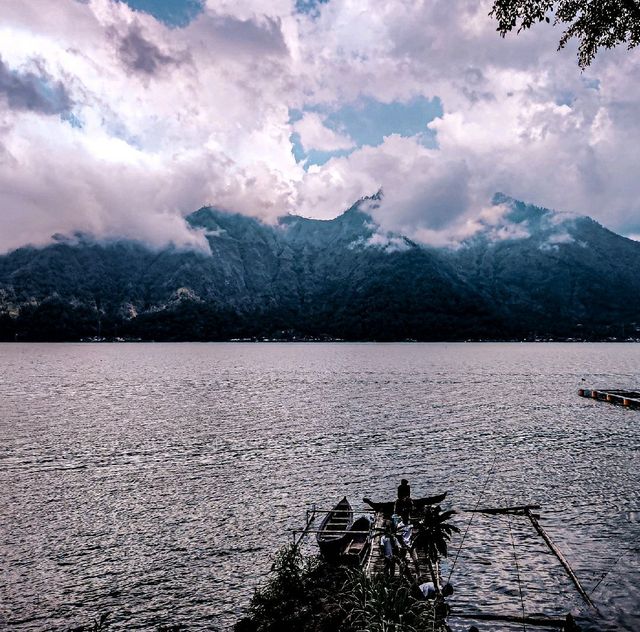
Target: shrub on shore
(311, 595)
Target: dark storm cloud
(36, 92)
(140, 55)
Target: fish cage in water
(628, 399)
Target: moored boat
(386, 509)
(360, 541)
(333, 533)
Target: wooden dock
(629, 399)
(374, 562)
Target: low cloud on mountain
(120, 122)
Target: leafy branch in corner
(594, 23)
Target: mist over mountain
(521, 272)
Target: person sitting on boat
(404, 489)
(403, 507)
(404, 504)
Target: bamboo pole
(345, 511)
(501, 510)
(508, 618)
(561, 558)
(330, 531)
(311, 516)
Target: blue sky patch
(72, 119)
(174, 13)
(310, 7)
(565, 98)
(368, 121)
(590, 82)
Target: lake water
(155, 481)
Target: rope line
(623, 554)
(464, 535)
(515, 557)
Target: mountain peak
(520, 211)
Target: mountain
(523, 272)
(554, 273)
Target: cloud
(315, 135)
(516, 112)
(423, 195)
(388, 242)
(33, 91)
(135, 157)
(229, 35)
(140, 55)
(115, 123)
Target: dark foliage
(55, 320)
(305, 594)
(434, 532)
(595, 23)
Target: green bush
(307, 594)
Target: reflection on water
(155, 481)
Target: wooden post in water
(311, 516)
(561, 557)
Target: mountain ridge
(523, 272)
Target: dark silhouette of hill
(526, 272)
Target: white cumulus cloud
(113, 123)
(314, 134)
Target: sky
(118, 118)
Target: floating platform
(630, 399)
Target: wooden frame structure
(629, 399)
(374, 562)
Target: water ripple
(155, 481)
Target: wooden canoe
(359, 542)
(333, 533)
(386, 509)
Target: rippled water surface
(155, 481)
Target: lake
(156, 481)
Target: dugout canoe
(386, 509)
(359, 542)
(333, 533)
